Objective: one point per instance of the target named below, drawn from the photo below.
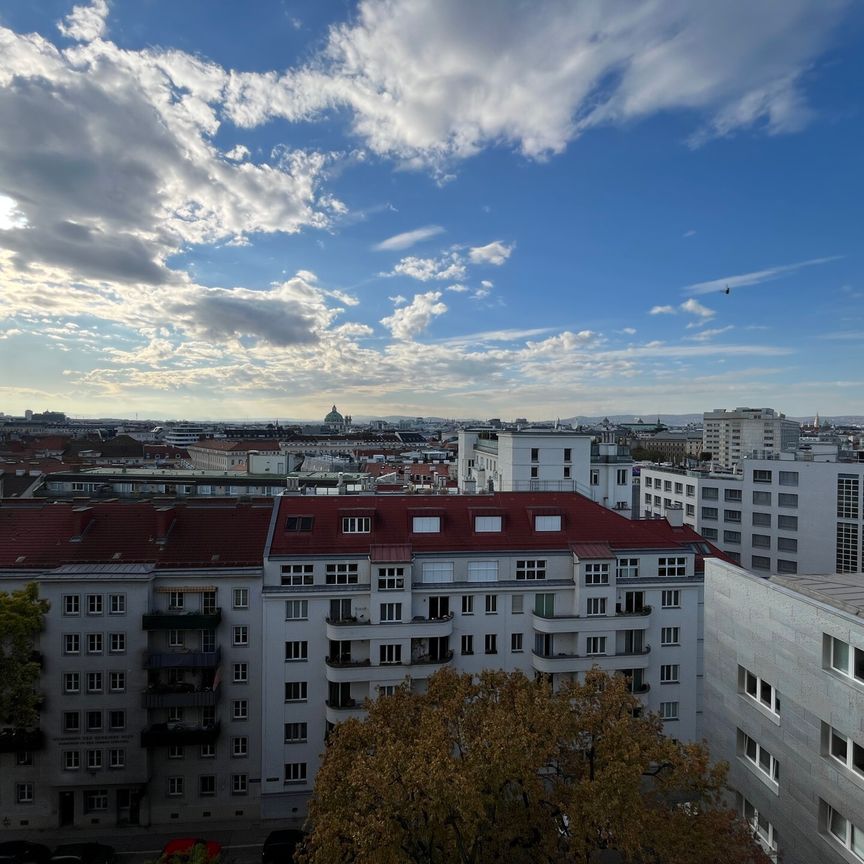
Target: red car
(184, 849)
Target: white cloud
(662, 310)
(754, 278)
(706, 335)
(495, 253)
(409, 321)
(85, 23)
(398, 300)
(628, 331)
(457, 288)
(694, 307)
(408, 238)
(448, 266)
(689, 233)
(238, 153)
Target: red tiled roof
(394, 554)
(591, 551)
(583, 522)
(224, 535)
(231, 444)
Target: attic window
(547, 523)
(426, 524)
(299, 523)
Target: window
(207, 751)
(710, 493)
(94, 604)
(760, 562)
(544, 605)
(240, 598)
(847, 548)
(530, 569)
(341, 574)
(240, 635)
(758, 756)
(761, 541)
(117, 682)
(669, 673)
(71, 682)
(671, 599)
(732, 495)
(491, 604)
(709, 533)
(299, 523)
(391, 578)
(94, 682)
(732, 537)
(117, 643)
(845, 659)
(667, 485)
(731, 515)
(467, 604)
(547, 523)
(94, 721)
(517, 604)
(763, 830)
(389, 654)
(761, 498)
(176, 638)
(207, 785)
(622, 476)
(426, 525)
(671, 567)
(487, 524)
(239, 784)
(670, 636)
(116, 758)
(175, 715)
(176, 599)
(627, 568)
(758, 690)
(437, 571)
(691, 491)
(596, 574)
(240, 673)
(787, 544)
(568, 454)
(391, 612)
(296, 651)
(295, 732)
(95, 800)
(709, 512)
(24, 793)
(788, 478)
(535, 472)
(467, 644)
(668, 710)
(71, 604)
(596, 606)
(787, 499)
(71, 760)
(535, 454)
(567, 472)
(297, 574)
(847, 834)
(295, 691)
(240, 709)
(95, 643)
(24, 758)
(844, 750)
(595, 645)
(847, 496)
(787, 523)
(516, 643)
(94, 760)
(761, 476)
(71, 721)
(356, 524)
(116, 604)
(763, 520)
(491, 643)
(175, 787)
(594, 477)
(296, 610)
(295, 772)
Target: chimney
(165, 519)
(82, 518)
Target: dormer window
(299, 523)
(426, 525)
(356, 524)
(487, 524)
(547, 523)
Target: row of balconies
(178, 734)
(180, 620)
(180, 696)
(182, 659)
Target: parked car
(279, 847)
(83, 853)
(23, 852)
(185, 849)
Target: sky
(510, 208)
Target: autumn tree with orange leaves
(498, 768)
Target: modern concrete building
(729, 436)
(784, 705)
(798, 512)
(360, 597)
(545, 460)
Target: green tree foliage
(22, 617)
(498, 768)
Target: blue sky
(430, 207)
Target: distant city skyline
(430, 208)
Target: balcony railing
(14, 740)
(638, 651)
(182, 659)
(178, 620)
(168, 734)
(623, 613)
(343, 662)
(428, 659)
(342, 703)
(173, 696)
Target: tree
(22, 617)
(499, 768)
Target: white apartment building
(799, 512)
(229, 454)
(545, 460)
(151, 657)
(784, 702)
(729, 436)
(358, 599)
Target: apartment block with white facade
(799, 512)
(358, 599)
(784, 702)
(150, 663)
(729, 436)
(545, 460)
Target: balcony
(14, 740)
(591, 623)
(429, 660)
(338, 712)
(550, 663)
(182, 659)
(180, 696)
(178, 734)
(178, 620)
(417, 628)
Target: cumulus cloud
(409, 321)
(458, 288)
(662, 310)
(446, 267)
(85, 23)
(408, 238)
(694, 307)
(495, 253)
(238, 153)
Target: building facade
(729, 436)
(784, 702)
